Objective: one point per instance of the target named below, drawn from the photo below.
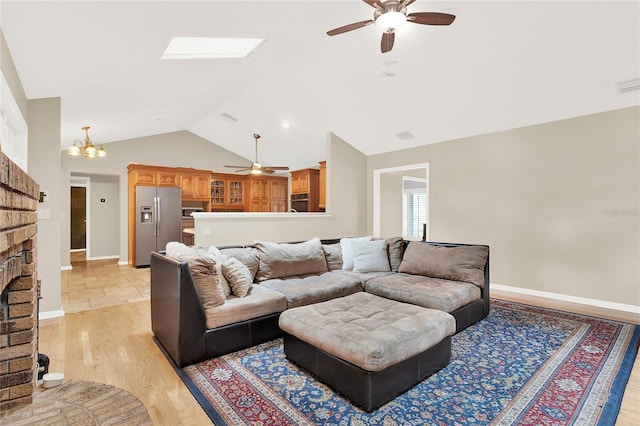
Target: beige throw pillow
(203, 272)
(213, 253)
(279, 260)
(333, 255)
(239, 276)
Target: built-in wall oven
(300, 202)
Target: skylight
(211, 48)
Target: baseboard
(66, 268)
(123, 263)
(566, 298)
(50, 314)
(103, 257)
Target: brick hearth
(18, 285)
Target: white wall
(346, 208)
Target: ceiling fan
(256, 168)
(390, 16)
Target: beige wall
(346, 208)
(44, 168)
(105, 216)
(558, 203)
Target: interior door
(78, 218)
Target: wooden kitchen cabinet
(195, 185)
(305, 186)
(227, 192)
(322, 198)
(153, 175)
(268, 194)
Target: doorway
(79, 217)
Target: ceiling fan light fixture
(391, 21)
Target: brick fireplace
(18, 284)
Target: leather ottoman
(368, 348)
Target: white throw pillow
(370, 256)
(347, 253)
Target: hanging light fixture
(87, 149)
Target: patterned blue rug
(521, 365)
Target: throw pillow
(247, 255)
(370, 256)
(333, 254)
(203, 272)
(462, 263)
(239, 276)
(213, 253)
(347, 253)
(395, 249)
(279, 260)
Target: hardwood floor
(114, 344)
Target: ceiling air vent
(629, 85)
(228, 117)
(404, 136)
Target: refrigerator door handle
(156, 206)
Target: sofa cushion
(370, 256)
(238, 275)
(347, 252)
(333, 255)
(258, 302)
(203, 273)
(435, 293)
(309, 289)
(279, 260)
(463, 263)
(247, 255)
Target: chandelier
(88, 149)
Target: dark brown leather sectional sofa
(178, 317)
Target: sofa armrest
(177, 315)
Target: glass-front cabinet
(227, 193)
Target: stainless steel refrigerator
(158, 220)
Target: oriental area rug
(521, 365)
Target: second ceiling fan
(390, 16)
(256, 168)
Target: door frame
(83, 182)
(376, 189)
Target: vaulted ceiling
(500, 65)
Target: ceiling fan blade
(350, 27)
(235, 167)
(276, 167)
(243, 170)
(387, 42)
(431, 18)
(375, 3)
(268, 171)
(406, 3)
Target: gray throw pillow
(370, 256)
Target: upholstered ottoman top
(367, 330)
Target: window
(415, 208)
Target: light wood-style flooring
(114, 344)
